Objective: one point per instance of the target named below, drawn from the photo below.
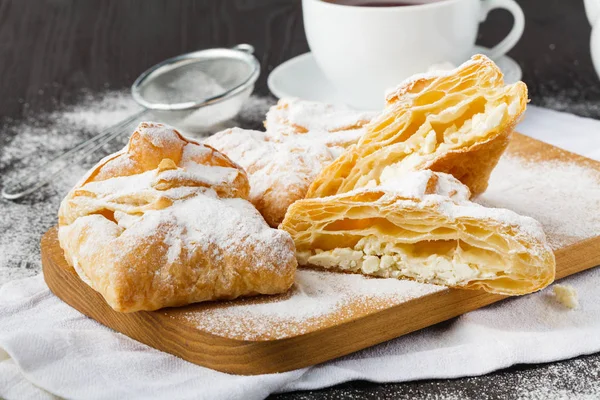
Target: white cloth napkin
(48, 349)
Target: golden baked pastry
(458, 122)
(302, 137)
(164, 222)
(422, 227)
(279, 171)
(334, 126)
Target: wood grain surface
(170, 331)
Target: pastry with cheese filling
(458, 122)
(422, 227)
(166, 222)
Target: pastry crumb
(566, 295)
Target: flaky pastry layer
(165, 222)
(458, 122)
(422, 227)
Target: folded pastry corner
(458, 122)
(165, 222)
(422, 227)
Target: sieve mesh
(195, 80)
(193, 92)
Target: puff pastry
(457, 122)
(279, 171)
(422, 227)
(164, 222)
(334, 126)
(301, 138)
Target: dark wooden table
(51, 51)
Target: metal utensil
(192, 92)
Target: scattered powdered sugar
(32, 143)
(577, 378)
(547, 191)
(95, 112)
(316, 298)
(573, 379)
(563, 196)
(576, 100)
(252, 115)
(39, 138)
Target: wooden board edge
(528, 148)
(279, 355)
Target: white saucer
(301, 77)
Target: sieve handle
(244, 47)
(20, 186)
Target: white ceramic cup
(365, 50)
(592, 9)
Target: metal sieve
(192, 92)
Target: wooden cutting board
(327, 315)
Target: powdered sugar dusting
(323, 123)
(316, 298)
(417, 184)
(563, 196)
(314, 116)
(41, 137)
(302, 137)
(223, 241)
(279, 172)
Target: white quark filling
(373, 257)
(513, 107)
(478, 125)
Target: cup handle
(515, 33)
